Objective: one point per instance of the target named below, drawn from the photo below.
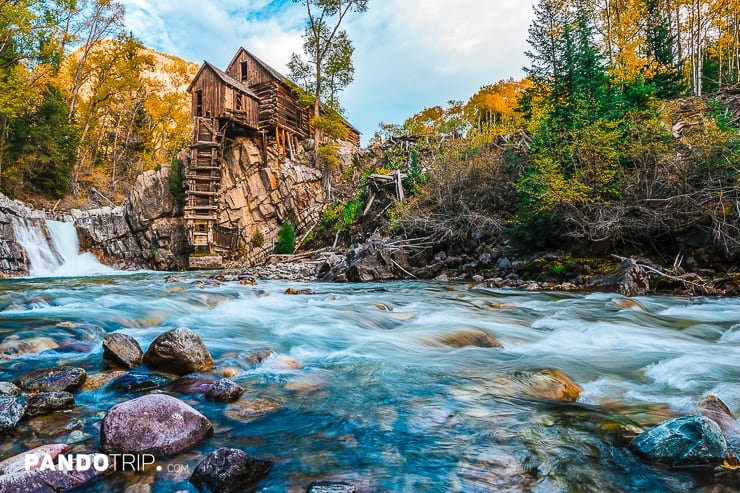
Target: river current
(358, 387)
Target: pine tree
(659, 43)
(42, 146)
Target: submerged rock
(122, 349)
(551, 384)
(194, 384)
(179, 350)
(476, 338)
(248, 410)
(155, 424)
(12, 409)
(98, 380)
(63, 378)
(17, 463)
(12, 346)
(48, 402)
(229, 470)
(683, 441)
(132, 383)
(224, 391)
(331, 487)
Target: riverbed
(351, 382)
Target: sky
(409, 54)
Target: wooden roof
(225, 78)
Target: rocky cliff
(146, 232)
(257, 197)
(13, 259)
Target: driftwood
(691, 281)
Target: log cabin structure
(251, 98)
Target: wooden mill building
(249, 97)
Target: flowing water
(378, 400)
(53, 249)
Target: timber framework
(249, 98)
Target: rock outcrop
(258, 196)
(13, 259)
(146, 232)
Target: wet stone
(192, 384)
(12, 346)
(683, 441)
(7, 388)
(133, 383)
(63, 378)
(551, 384)
(53, 425)
(248, 410)
(17, 463)
(229, 470)
(713, 408)
(122, 349)
(180, 351)
(48, 402)
(98, 380)
(475, 338)
(224, 390)
(153, 424)
(12, 409)
(43, 481)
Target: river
(359, 387)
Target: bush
(177, 181)
(258, 239)
(286, 238)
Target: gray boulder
(153, 424)
(48, 402)
(224, 391)
(63, 378)
(180, 351)
(122, 349)
(229, 470)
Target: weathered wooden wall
(278, 108)
(213, 94)
(256, 73)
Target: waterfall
(54, 250)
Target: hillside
(113, 110)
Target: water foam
(53, 250)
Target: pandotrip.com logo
(98, 462)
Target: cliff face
(13, 259)
(256, 198)
(147, 232)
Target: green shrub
(177, 181)
(286, 238)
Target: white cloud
(409, 54)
